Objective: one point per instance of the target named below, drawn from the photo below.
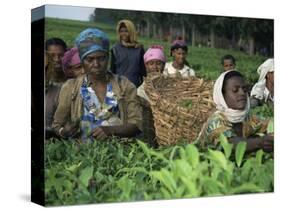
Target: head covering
(132, 34)
(260, 90)
(70, 58)
(178, 44)
(234, 116)
(155, 52)
(91, 40)
(267, 66)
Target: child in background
(179, 66)
(228, 62)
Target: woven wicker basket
(180, 107)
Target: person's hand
(101, 132)
(69, 130)
(267, 143)
(49, 133)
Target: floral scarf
(97, 114)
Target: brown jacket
(70, 106)
(51, 99)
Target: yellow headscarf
(132, 33)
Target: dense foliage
(122, 170)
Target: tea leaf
(259, 156)
(212, 186)
(187, 103)
(219, 158)
(270, 126)
(192, 155)
(85, 175)
(165, 178)
(227, 147)
(246, 188)
(239, 152)
(190, 186)
(74, 167)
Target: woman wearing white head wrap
(263, 90)
(232, 117)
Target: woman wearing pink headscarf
(154, 60)
(71, 63)
(72, 68)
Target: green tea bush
(118, 170)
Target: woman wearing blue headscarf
(98, 104)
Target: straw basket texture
(179, 106)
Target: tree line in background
(253, 36)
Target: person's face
(235, 94)
(179, 56)
(54, 55)
(270, 82)
(228, 65)
(270, 77)
(124, 34)
(76, 70)
(96, 63)
(154, 66)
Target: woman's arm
(255, 143)
(125, 130)
(61, 123)
(255, 102)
